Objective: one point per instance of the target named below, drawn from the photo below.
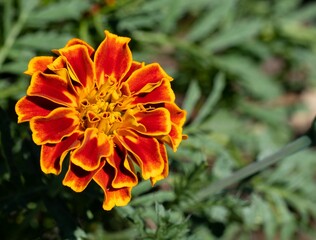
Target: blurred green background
(245, 72)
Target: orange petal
(95, 145)
(112, 196)
(156, 122)
(124, 176)
(38, 64)
(53, 88)
(78, 179)
(61, 122)
(59, 67)
(81, 68)
(165, 171)
(77, 41)
(162, 93)
(52, 155)
(146, 151)
(174, 138)
(146, 77)
(135, 65)
(113, 58)
(29, 107)
(177, 115)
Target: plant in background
(111, 114)
(245, 76)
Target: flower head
(111, 114)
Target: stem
(13, 34)
(293, 147)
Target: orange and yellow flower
(111, 114)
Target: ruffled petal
(162, 93)
(95, 145)
(143, 79)
(124, 175)
(53, 88)
(59, 67)
(113, 58)
(112, 196)
(77, 41)
(135, 66)
(78, 179)
(146, 152)
(177, 115)
(156, 122)
(28, 107)
(52, 155)
(165, 171)
(38, 64)
(174, 138)
(80, 65)
(61, 122)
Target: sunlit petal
(78, 179)
(38, 64)
(53, 88)
(94, 146)
(61, 122)
(52, 155)
(112, 196)
(142, 80)
(28, 107)
(113, 58)
(146, 152)
(124, 176)
(156, 121)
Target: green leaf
(213, 98)
(58, 12)
(17, 67)
(150, 198)
(238, 33)
(43, 41)
(249, 75)
(210, 20)
(303, 14)
(191, 98)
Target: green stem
(293, 147)
(13, 34)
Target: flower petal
(112, 196)
(113, 58)
(38, 64)
(156, 122)
(52, 155)
(77, 41)
(59, 67)
(53, 88)
(146, 152)
(165, 171)
(124, 176)
(177, 115)
(29, 107)
(80, 65)
(174, 138)
(146, 77)
(94, 146)
(135, 65)
(61, 122)
(162, 93)
(78, 179)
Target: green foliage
(242, 70)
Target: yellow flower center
(102, 108)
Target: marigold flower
(110, 113)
